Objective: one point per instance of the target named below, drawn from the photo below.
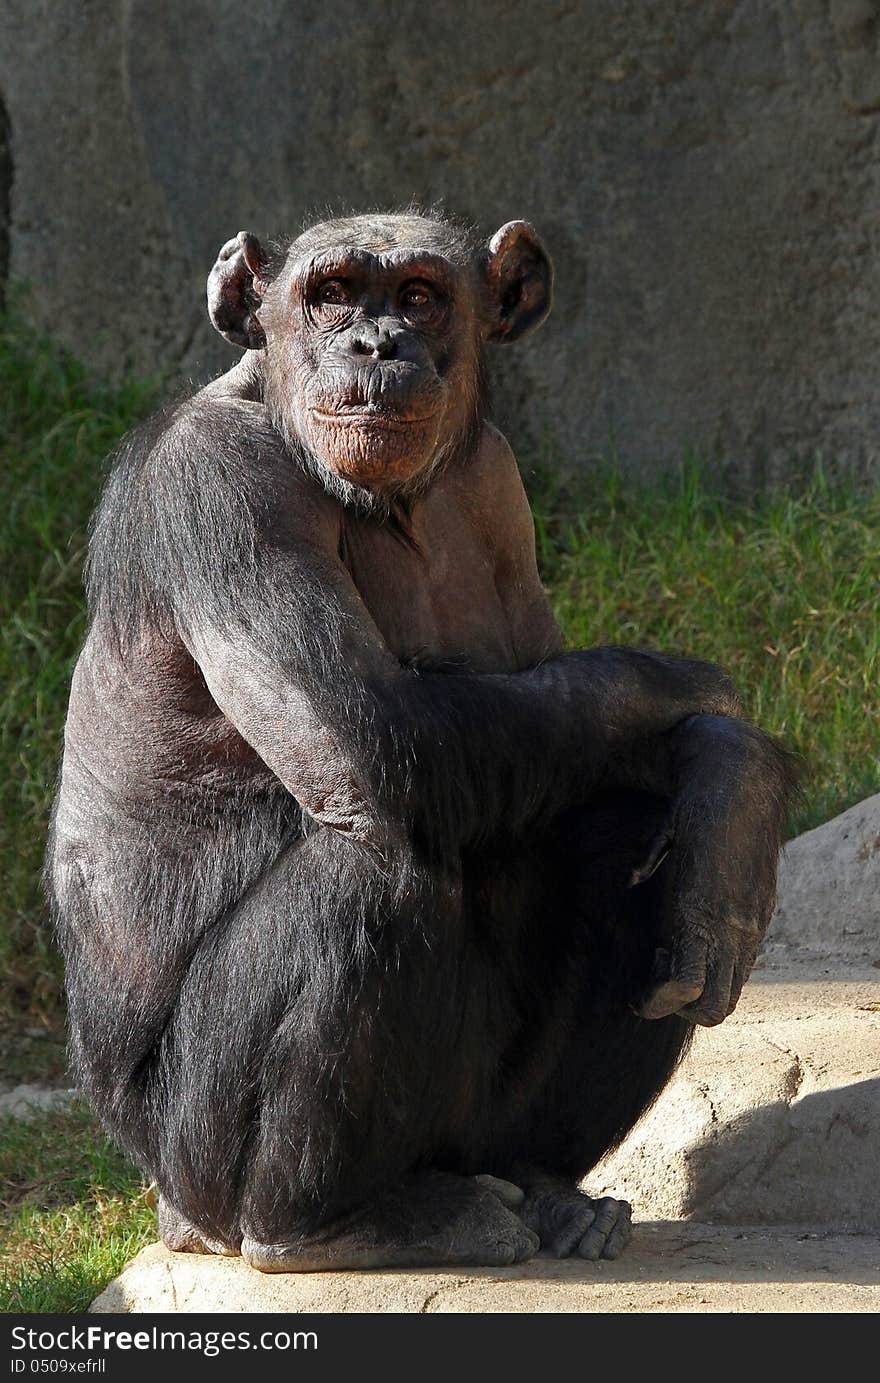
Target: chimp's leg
(586, 1067)
(324, 1036)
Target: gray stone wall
(706, 175)
(5, 189)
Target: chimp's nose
(370, 339)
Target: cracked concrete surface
(774, 1118)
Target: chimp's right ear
(235, 291)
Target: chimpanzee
(384, 917)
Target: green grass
(781, 589)
(72, 1212)
(56, 425)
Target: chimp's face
(373, 349)
(373, 333)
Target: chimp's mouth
(369, 417)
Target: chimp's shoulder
(218, 423)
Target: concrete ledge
(829, 888)
(774, 1118)
(668, 1268)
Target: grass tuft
(73, 1211)
(56, 426)
(780, 589)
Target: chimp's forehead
(381, 232)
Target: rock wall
(706, 175)
(5, 189)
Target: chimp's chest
(430, 586)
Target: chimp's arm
(244, 554)
(728, 786)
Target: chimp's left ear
(519, 276)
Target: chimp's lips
(370, 417)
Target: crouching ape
(384, 917)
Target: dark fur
(278, 1021)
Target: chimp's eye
(334, 292)
(417, 295)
